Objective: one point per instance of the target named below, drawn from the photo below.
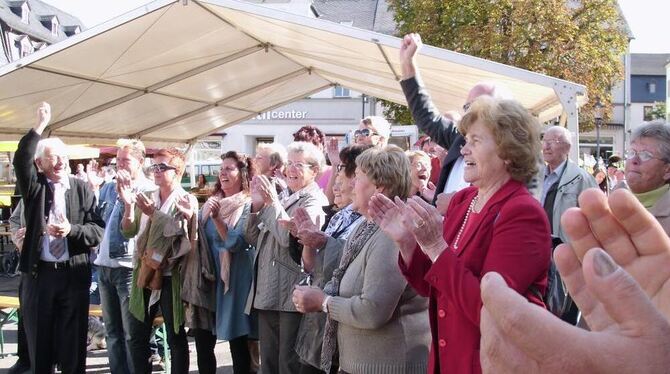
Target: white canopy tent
(174, 71)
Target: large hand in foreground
(388, 215)
(629, 234)
(520, 337)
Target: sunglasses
(364, 132)
(162, 167)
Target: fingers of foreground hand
(622, 298)
(532, 329)
(572, 275)
(497, 355)
(645, 232)
(605, 227)
(379, 205)
(576, 226)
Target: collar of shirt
(64, 181)
(557, 171)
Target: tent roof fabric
(169, 73)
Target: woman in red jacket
(494, 225)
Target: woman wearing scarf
(322, 253)
(222, 220)
(167, 223)
(376, 320)
(279, 254)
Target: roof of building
(39, 12)
(648, 63)
(365, 14)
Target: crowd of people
(367, 259)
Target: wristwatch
(324, 305)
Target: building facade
(27, 26)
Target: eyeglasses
(341, 167)
(162, 167)
(364, 132)
(643, 156)
(297, 165)
(552, 142)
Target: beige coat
(276, 272)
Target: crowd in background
(475, 251)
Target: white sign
(288, 114)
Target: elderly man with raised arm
(61, 227)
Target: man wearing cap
(61, 227)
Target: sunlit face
(366, 134)
(555, 148)
(363, 191)
(53, 163)
(420, 172)
(126, 161)
(262, 162)
(230, 177)
(164, 178)
(483, 166)
(343, 190)
(299, 172)
(645, 176)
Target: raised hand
(185, 207)
(409, 46)
(629, 234)
(267, 190)
(428, 193)
(388, 215)
(145, 203)
(43, 117)
(308, 233)
(257, 201)
(333, 150)
(442, 202)
(214, 207)
(427, 226)
(124, 187)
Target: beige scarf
(230, 211)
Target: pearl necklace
(471, 208)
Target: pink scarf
(230, 211)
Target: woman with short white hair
(279, 253)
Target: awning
(74, 152)
(172, 73)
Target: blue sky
(647, 18)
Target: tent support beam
(157, 86)
(205, 108)
(303, 94)
(567, 95)
(386, 58)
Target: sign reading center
(288, 114)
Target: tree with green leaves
(579, 41)
(658, 111)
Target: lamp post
(598, 116)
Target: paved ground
(97, 360)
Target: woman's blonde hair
(515, 131)
(388, 168)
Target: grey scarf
(352, 248)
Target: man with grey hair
(648, 169)
(61, 226)
(441, 129)
(563, 179)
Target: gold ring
(420, 224)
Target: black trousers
(55, 317)
(204, 345)
(140, 335)
(21, 341)
(278, 332)
(239, 351)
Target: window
(25, 13)
(54, 26)
(651, 86)
(647, 112)
(340, 91)
(264, 139)
(25, 47)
